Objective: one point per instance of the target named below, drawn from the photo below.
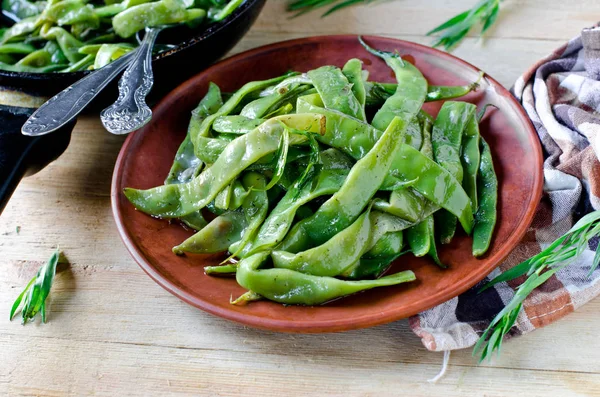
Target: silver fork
(130, 111)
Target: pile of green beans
(318, 181)
(72, 35)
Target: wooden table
(112, 331)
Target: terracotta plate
(146, 157)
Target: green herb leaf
(538, 269)
(451, 22)
(37, 290)
(491, 19)
(304, 6)
(455, 29)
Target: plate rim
(342, 324)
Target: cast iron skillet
(20, 155)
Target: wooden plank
(109, 369)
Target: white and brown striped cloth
(561, 94)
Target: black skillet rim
(209, 31)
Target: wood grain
(114, 332)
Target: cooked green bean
(293, 288)
(485, 218)
(336, 91)
(377, 93)
(186, 165)
(353, 72)
(217, 236)
(446, 138)
(470, 158)
(236, 124)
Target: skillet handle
(22, 155)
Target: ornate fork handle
(130, 111)
(67, 104)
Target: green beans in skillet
(308, 192)
(72, 35)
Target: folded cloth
(561, 94)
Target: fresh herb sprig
(456, 28)
(452, 31)
(35, 293)
(300, 7)
(538, 270)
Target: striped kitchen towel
(561, 94)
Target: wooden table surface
(112, 331)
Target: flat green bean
(446, 139)
(336, 91)
(485, 218)
(291, 287)
(353, 72)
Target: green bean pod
(485, 218)
(162, 12)
(215, 237)
(389, 244)
(209, 149)
(377, 93)
(223, 199)
(410, 94)
(260, 107)
(446, 138)
(236, 124)
(17, 48)
(70, 12)
(470, 158)
(68, 44)
(373, 267)
(421, 237)
(336, 91)
(255, 209)
(295, 288)
(356, 138)
(353, 72)
(109, 52)
(346, 133)
(185, 165)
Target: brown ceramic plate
(146, 157)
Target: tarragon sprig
(300, 7)
(37, 290)
(538, 269)
(455, 29)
